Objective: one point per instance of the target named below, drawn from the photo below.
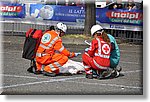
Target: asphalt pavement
(16, 80)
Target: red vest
(104, 49)
(100, 51)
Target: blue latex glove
(86, 50)
(78, 53)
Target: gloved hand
(78, 53)
(86, 50)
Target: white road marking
(130, 62)
(20, 76)
(62, 80)
(39, 82)
(111, 85)
(139, 51)
(9, 75)
(135, 71)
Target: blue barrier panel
(77, 14)
(12, 10)
(120, 16)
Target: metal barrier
(18, 28)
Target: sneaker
(115, 74)
(105, 74)
(51, 74)
(89, 74)
(95, 74)
(119, 69)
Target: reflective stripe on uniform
(87, 54)
(51, 43)
(40, 54)
(43, 46)
(99, 46)
(61, 49)
(52, 67)
(58, 65)
(103, 56)
(42, 68)
(86, 66)
(97, 65)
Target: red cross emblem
(106, 49)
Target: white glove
(86, 50)
(76, 54)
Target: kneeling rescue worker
(51, 54)
(102, 57)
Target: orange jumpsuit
(51, 54)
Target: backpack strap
(31, 34)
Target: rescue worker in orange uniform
(51, 54)
(96, 58)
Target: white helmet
(62, 27)
(96, 28)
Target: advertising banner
(57, 13)
(12, 10)
(120, 16)
(77, 15)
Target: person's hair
(51, 28)
(104, 37)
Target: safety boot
(116, 72)
(104, 74)
(51, 74)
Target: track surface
(16, 80)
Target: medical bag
(31, 43)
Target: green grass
(77, 36)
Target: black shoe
(51, 74)
(115, 73)
(30, 69)
(95, 73)
(33, 70)
(105, 74)
(119, 69)
(89, 76)
(38, 72)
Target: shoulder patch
(46, 38)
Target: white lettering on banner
(79, 11)
(117, 26)
(125, 15)
(10, 8)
